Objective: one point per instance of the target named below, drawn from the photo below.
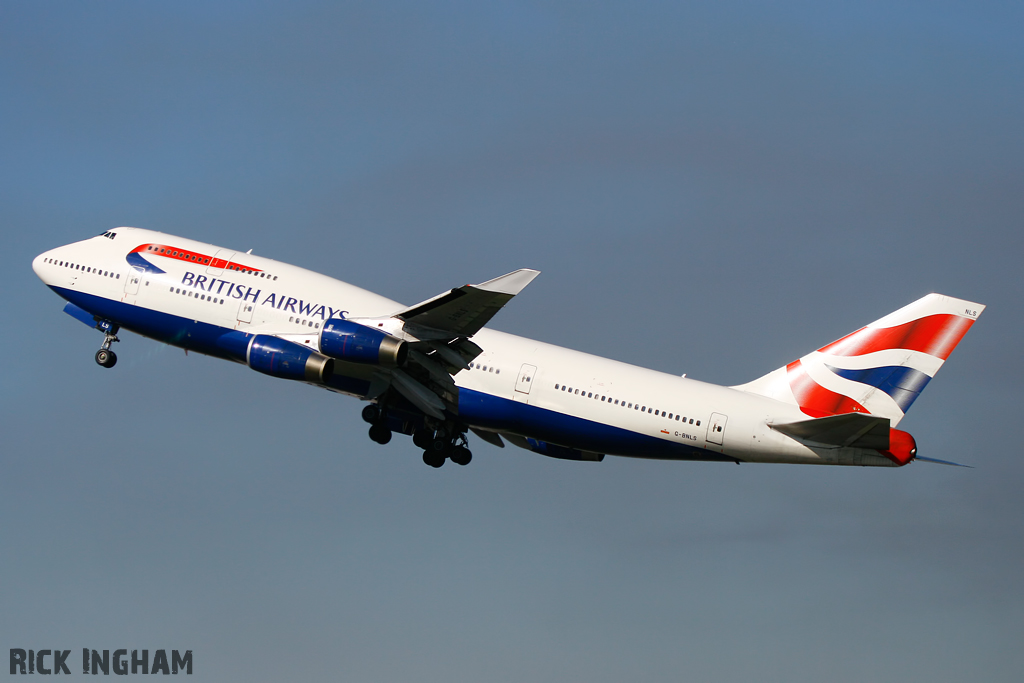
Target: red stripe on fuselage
(190, 256)
(935, 335)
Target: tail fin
(879, 369)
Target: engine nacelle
(355, 343)
(287, 360)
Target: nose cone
(39, 266)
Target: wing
(439, 332)
(463, 311)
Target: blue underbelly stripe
(502, 414)
(476, 409)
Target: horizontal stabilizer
(465, 310)
(851, 430)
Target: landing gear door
(131, 285)
(524, 381)
(245, 311)
(220, 261)
(716, 430)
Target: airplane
(434, 372)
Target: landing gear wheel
(380, 434)
(461, 455)
(106, 358)
(440, 446)
(371, 414)
(433, 459)
(423, 438)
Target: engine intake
(355, 343)
(287, 360)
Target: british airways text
(280, 302)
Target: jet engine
(355, 343)
(287, 360)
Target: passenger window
(698, 423)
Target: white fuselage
(572, 400)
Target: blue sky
(713, 189)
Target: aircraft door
(131, 285)
(716, 429)
(245, 309)
(220, 260)
(523, 383)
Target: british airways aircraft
(434, 372)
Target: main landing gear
(438, 445)
(105, 357)
(379, 431)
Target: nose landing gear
(105, 357)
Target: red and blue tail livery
(879, 369)
(435, 372)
